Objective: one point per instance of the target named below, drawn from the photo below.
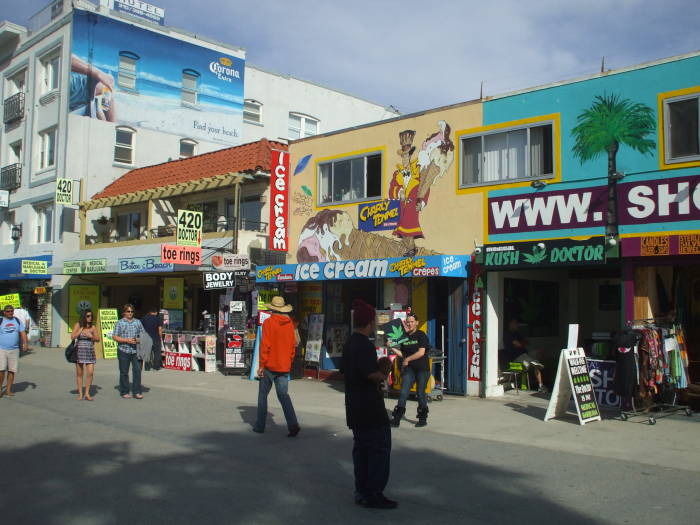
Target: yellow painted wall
(450, 221)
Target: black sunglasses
(128, 311)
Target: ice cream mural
(335, 234)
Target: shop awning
(11, 269)
(138, 258)
(389, 268)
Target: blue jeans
(281, 381)
(408, 377)
(371, 457)
(126, 360)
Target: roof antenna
(481, 91)
(602, 65)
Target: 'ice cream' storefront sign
(426, 266)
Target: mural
(413, 178)
(610, 122)
(332, 234)
(303, 202)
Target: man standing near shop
(277, 348)
(126, 334)
(365, 411)
(153, 325)
(13, 338)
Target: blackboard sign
(577, 383)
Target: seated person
(515, 350)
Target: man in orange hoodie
(277, 348)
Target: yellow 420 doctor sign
(189, 228)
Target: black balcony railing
(168, 230)
(13, 108)
(11, 177)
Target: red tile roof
(238, 159)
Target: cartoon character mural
(331, 235)
(413, 178)
(322, 235)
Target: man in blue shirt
(126, 334)
(13, 338)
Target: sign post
(108, 320)
(189, 228)
(573, 365)
(64, 191)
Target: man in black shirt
(365, 411)
(153, 325)
(415, 367)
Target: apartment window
(681, 128)
(210, 214)
(47, 153)
(50, 71)
(126, 77)
(124, 145)
(301, 126)
(351, 179)
(128, 226)
(44, 223)
(251, 209)
(503, 156)
(188, 148)
(16, 83)
(15, 153)
(190, 78)
(252, 111)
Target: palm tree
(602, 128)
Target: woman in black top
(415, 367)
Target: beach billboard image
(135, 77)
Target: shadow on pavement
(227, 477)
(22, 386)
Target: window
(128, 226)
(16, 83)
(210, 214)
(15, 153)
(124, 145)
(126, 78)
(251, 209)
(509, 155)
(351, 179)
(252, 111)
(301, 126)
(44, 223)
(47, 153)
(50, 72)
(188, 148)
(682, 142)
(189, 86)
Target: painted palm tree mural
(612, 122)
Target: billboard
(132, 76)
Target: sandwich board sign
(573, 379)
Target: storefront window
(535, 304)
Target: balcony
(168, 230)
(13, 108)
(11, 177)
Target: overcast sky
(418, 55)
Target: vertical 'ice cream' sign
(279, 206)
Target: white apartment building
(90, 92)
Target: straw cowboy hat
(278, 305)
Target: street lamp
(16, 232)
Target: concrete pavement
(186, 454)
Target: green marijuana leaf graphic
(397, 335)
(538, 255)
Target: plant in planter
(103, 227)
